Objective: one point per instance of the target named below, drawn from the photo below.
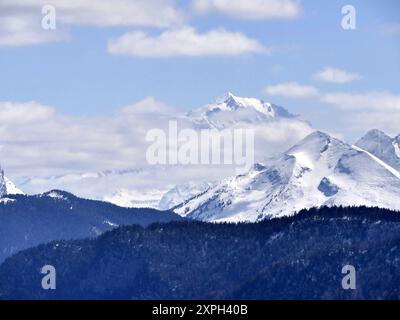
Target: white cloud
(292, 90)
(146, 106)
(20, 20)
(368, 110)
(382, 101)
(24, 29)
(335, 75)
(36, 138)
(252, 10)
(104, 13)
(374, 100)
(360, 110)
(385, 121)
(22, 113)
(184, 41)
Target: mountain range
(319, 170)
(145, 185)
(320, 203)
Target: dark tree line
(298, 257)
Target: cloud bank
(20, 20)
(361, 110)
(335, 75)
(184, 41)
(292, 90)
(250, 10)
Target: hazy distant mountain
(178, 194)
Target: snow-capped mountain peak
(232, 102)
(11, 188)
(316, 143)
(231, 110)
(375, 133)
(6, 186)
(319, 170)
(382, 146)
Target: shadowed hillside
(299, 257)
(26, 221)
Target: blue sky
(79, 76)
(74, 72)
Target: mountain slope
(319, 170)
(382, 146)
(382, 163)
(299, 257)
(6, 186)
(26, 221)
(11, 188)
(178, 194)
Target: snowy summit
(232, 110)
